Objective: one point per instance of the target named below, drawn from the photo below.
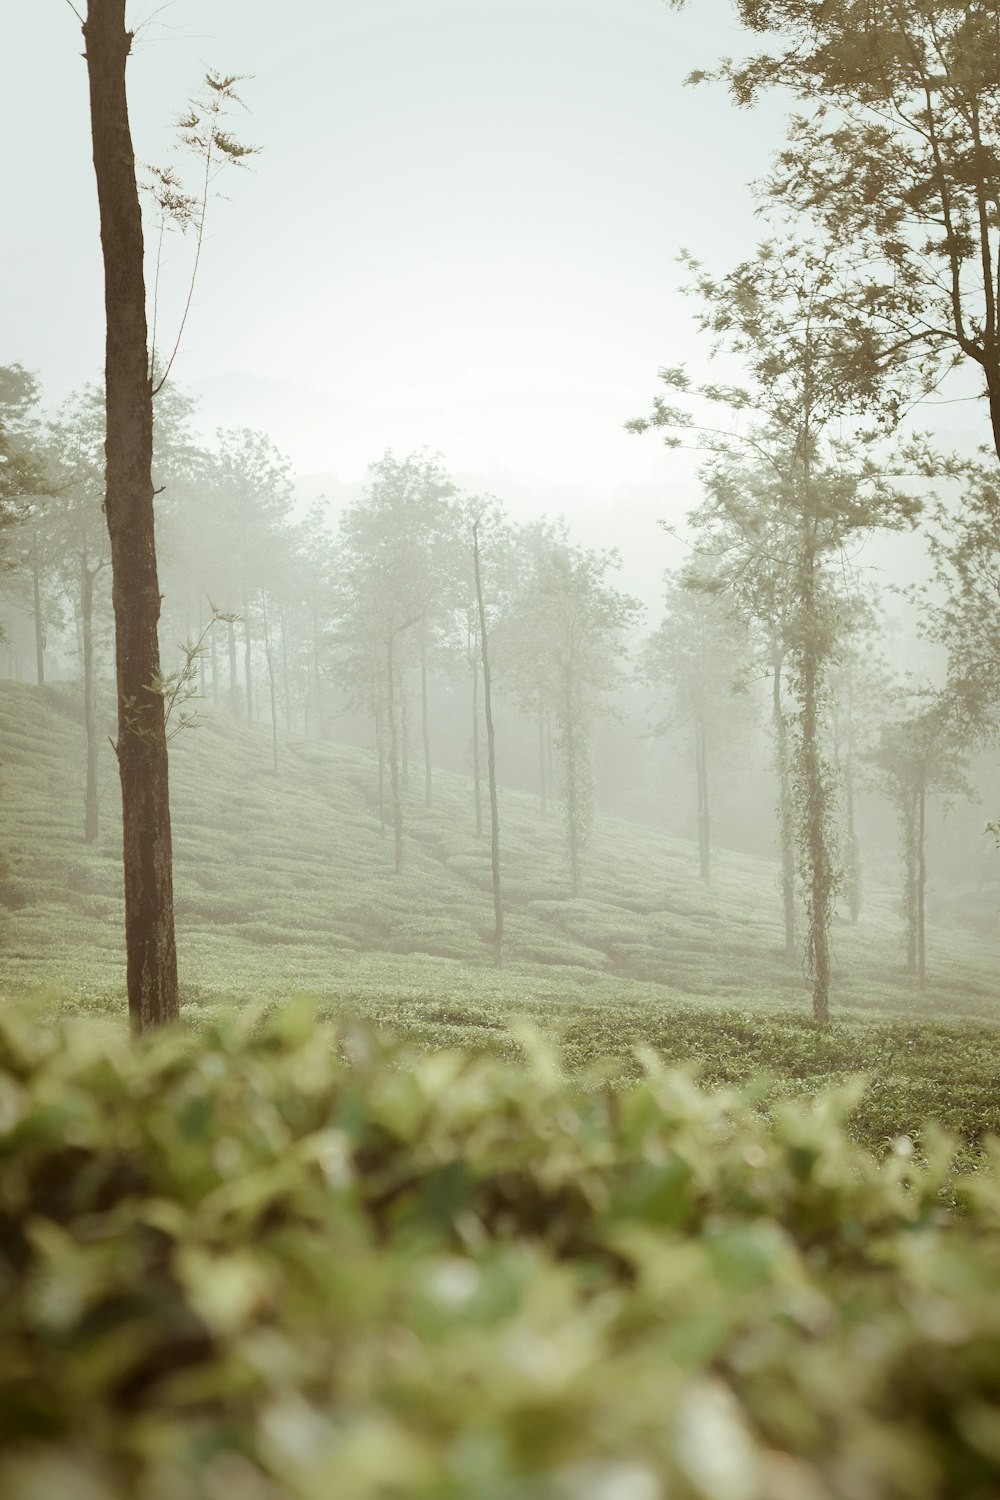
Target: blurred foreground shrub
(239, 1266)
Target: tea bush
(294, 1262)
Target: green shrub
(282, 1262)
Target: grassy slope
(285, 885)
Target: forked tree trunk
(142, 740)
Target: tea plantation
(456, 1233)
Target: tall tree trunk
(921, 879)
(36, 587)
(395, 787)
(477, 777)
(786, 813)
(571, 788)
(908, 840)
(425, 726)
(404, 734)
(285, 681)
(380, 750)
(234, 686)
(248, 662)
(91, 806)
(269, 661)
(142, 743)
(491, 760)
(814, 792)
(853, 852)
(701, 765)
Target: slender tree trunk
(571, 787)
(921, 880)
(815, 795)
(286, 687)
(701, 761)
(425, 727)
(36, 586)
(91, 806)
(142, 742)
(908, 839)
(380, 749)
(491, 761)
(853, 852)
(248, 662)
(395, 786)
(477, 777)
(234, 687)
(543, 804)
(404, 734)
(786, 815)
(269, 661)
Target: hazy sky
(461, 231)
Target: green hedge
(292, 1264)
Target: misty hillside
(285, 884)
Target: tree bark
(491, 760)
(142, 742)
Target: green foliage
(282, 1263)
